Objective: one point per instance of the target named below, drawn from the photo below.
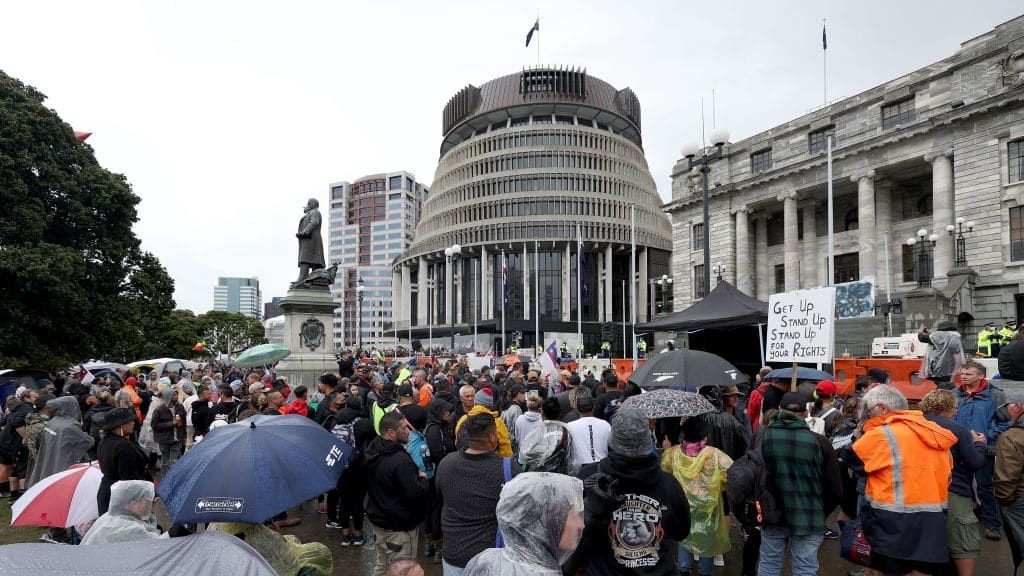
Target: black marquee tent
(724, 307)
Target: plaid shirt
(795, 465)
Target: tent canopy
(724, 307)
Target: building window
(699, 291)
(897, 113)
(761, 161)
(394, 182)
(338, 192)
(847, 267)
(1017, 233)
(908, 264)
(851, 220)
(816, 141)
(697, 240)
(780, 277)
(1015, 155)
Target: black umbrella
(686, 368)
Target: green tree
(230, 333)
(75, 284)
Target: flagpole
(538, 38)
(536, 276)
(504, 301)
(831, 221)
(579, 291)
(625, 351)
(632, 277)
(476, 299)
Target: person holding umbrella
(120, 458)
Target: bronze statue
(311, 245)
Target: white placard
(800, 325)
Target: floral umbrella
(668, 403)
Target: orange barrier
(903, 374)
(624, 367)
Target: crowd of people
(508, 470)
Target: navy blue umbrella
(802, 373)
(252, 470)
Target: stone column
(791, 244)
(866, 224)
(405, 296)
(527, 286)
(421, 296)
(566, 286)
(609, 284)
(809, 273)
(942, 208)
(486, 294)
(458, 279)
(645, 283)
(449, 290)
(761, 256)
(742, 264)
(883, 232)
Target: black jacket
(163, 424)
(202, 416)
(1011, 361)
(396, 493)
(438, 433)
(120, 459)
(345, 369)
(10, 440)
(622, 537)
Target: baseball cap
(731, 391)
(388, 388)
(827, 388)
(405, 390)
(1013, 397)
(793, 402)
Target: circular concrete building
(532, 166)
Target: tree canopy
(75, 283)
(230, 333)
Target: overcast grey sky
(227, 116)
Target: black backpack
(750, 498)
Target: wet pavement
(359, 560)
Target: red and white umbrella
(61, 500)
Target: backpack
(611, 408)
(347, 433)
(752, 502)
(817, 424)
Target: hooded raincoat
(63, 442)
(908, 466)
(120, 523)
(540, 515)
(548, 448)
(943, 356)
(703, 478)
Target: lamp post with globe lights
(690, 151)
(719, 270)
(452, 255)
(664, 286)
(922, 246)
(957, 231)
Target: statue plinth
(309, 334)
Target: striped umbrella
(64, 499)
(262, 355)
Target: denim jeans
(804, 551)
(705, 566)
(986, 494)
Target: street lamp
(452, 254)
(359, 315)
(690, 151)
(922, 246)
(961, 244)
(719, 270)
(665, 284)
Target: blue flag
(535, 28)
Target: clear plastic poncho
(285, 553)
(540, 515)
(548, 448)
(703, 478)
(130, 516)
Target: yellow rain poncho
(286, 554)
(703, 479)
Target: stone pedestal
(924, 307)
(309, 334)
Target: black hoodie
(438, 434)
(640, 535)
(396, 493)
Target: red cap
(827, 388)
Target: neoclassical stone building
(918, 152)
(530, 163)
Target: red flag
(81, 136)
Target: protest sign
(800, 326)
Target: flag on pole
(490, 357)
(535, 28)
(824, 37)
(549, 359)
(504, 281)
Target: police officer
(606, 349)
(642, 347)
(988, 341)
(563, 350)
(1006, 334)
